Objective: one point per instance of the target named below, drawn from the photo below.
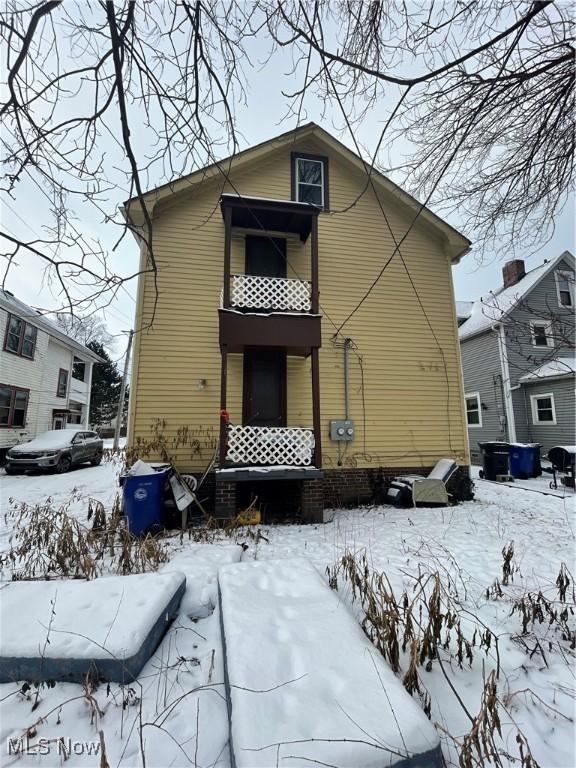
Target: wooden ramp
(304, 685)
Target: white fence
(270, 446)
(274, 293)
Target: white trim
(88, 378)
(547, 329)
(310, 183)
(534, 407)
(565, 273)
(469, 396)
(507, 391)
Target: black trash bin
(495, 459)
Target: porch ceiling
(270, 215)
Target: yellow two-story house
(299, 338)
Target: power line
(398, 243)
(456, 149)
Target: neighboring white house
(45, 376)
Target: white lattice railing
(278, 293)
(270, 446)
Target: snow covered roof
(15, 306)
(464, 309)
(489, 310)
(561, 366)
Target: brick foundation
(225, 499)
(290, 501)
(312, 503)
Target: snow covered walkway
(305, 685)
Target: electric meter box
(342, 429)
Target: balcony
(270, 446)
(78, 391)
(263, 312)
(271, 293)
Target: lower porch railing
(270, 446)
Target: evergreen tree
(106, 383)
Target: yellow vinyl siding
(408, 398)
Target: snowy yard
(175, 714)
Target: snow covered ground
(175, 715)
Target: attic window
(565, 288)
(310, 179)
(20, 337)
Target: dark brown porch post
(314, 265)
(223, 421)
(227, 254)
(316, 408)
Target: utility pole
(122, 393)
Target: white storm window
(473, 409)
(541, 334)
(543, 409)
(565, 288)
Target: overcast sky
(261, 118)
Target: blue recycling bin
(525, 460)
(143, 501)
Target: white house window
(543, 409)
(310, 179)
(473, 410)
(565, 288)
(541, 334)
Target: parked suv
(57, 450)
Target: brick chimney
(513, 272)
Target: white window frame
(548, 330)
(469, 396)
(566, 275)
(534, 406)
(308, 183)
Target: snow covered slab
(61, 630)
(304, 684)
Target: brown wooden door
(264, 402)
(265, 256)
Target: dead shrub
(47, 541)
(424, 620)
(158, 445)
(556, 615)
(508, 567)
(479, 745)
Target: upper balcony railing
(270, 446)
(78, 390)
(272, 293)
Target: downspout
(346, 391)
(506, 390)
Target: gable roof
(489, 310)
(457, 243)
(15, 306)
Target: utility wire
(451, 157)
(398, 243)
